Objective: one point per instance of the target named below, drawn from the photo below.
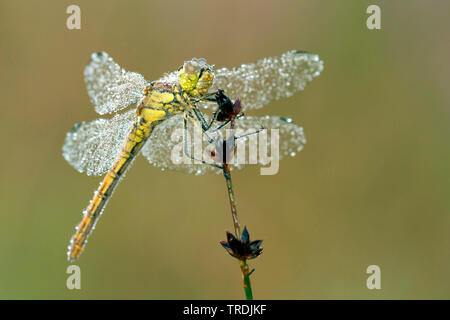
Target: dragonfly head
(195, 77)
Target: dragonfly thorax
(164, 98)
(196, 77)
(161, 103)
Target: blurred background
(370, 187)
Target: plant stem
(227, 175)
(246, 280)
(237, 230)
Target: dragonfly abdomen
(133, 143)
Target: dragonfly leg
(227, 122)
(250, 133)
(210, 99)
(186, 147)
(206, 97)
(199, 115)
(196, 123)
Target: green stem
(246, 280)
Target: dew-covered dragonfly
(146, 116)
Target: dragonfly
(140, 117)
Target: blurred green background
(370, 187)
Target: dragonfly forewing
(273, 78)
(110, 87)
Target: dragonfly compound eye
(191, 67)
(196, 77)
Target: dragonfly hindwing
(164, 148)
(92, 147)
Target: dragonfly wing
(256, 84)
(92, 147)
(165, 147)
(276, 137)
(110, 87)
